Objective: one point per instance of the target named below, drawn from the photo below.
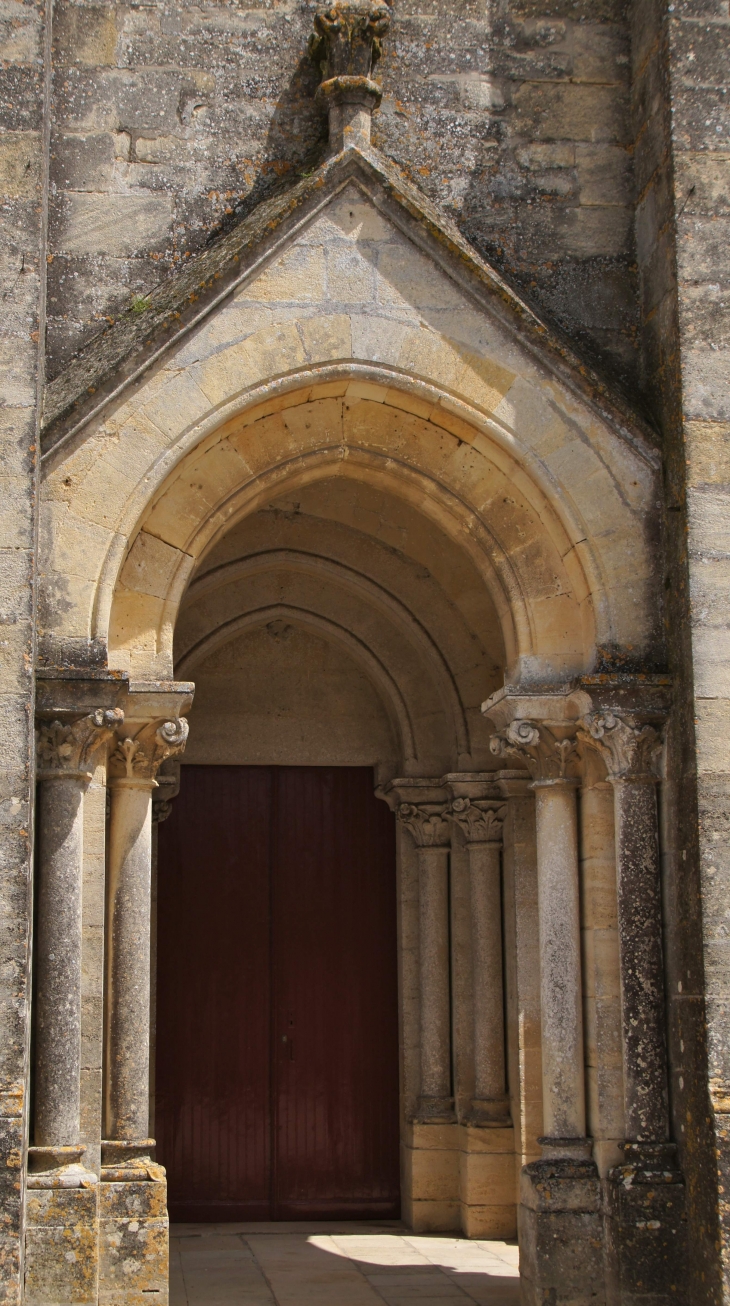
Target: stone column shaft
(480, 821)
(547, 748)
(433, 902)
(58, 962)
(628, 748)
(64, 750)
(130, 871)
(431, 833)
(133, 768)
(560, 960)
(642, 962)
(486, 932)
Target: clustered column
(546, 750)
(132, 770)
(431, 832)
(64, 754)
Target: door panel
(277, 1046)
(335, 978)
(212, 1113)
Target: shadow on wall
(295, 144)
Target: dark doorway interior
(277, 1025)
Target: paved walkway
(336, 1265)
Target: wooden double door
(276, 1093)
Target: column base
(647, 1225)
(489, 1113)
(134, 1229)
(61, 1229)
(435, 1111)
(488, 1187)
(561, 1233)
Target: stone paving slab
(336, 1264)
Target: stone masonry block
(115, 224)
(62, 1246)
(133, 1244)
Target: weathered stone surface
(133, 1243)
(62, 1247)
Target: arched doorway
(422, 503)
(337, 637)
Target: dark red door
(277, 1047)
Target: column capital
(345, 46)
(139, 754)
(427, 822)
(627, 744)
(65, 748)
(480, 820)
(545, 749)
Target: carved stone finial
(480, 822)
(545, 753)
(427, 823)
(138, 757)
(629, 749)
(67, 749)
(346, 45)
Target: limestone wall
(169, 121)
(23, 69)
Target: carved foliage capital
(67, 748)
(139, 757)
(545, 753)
(479, 821)
(627, 747)
(347, 38)
(427, 823)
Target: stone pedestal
(134, 1229)
(561, 1234)
(647, 1225)
(62, 1246)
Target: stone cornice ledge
(646, 694)
(121, 354)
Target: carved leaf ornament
(140, 756)
(68, 748)
(627, 748)
(480, 822)
(545, 754)
(427, 823)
